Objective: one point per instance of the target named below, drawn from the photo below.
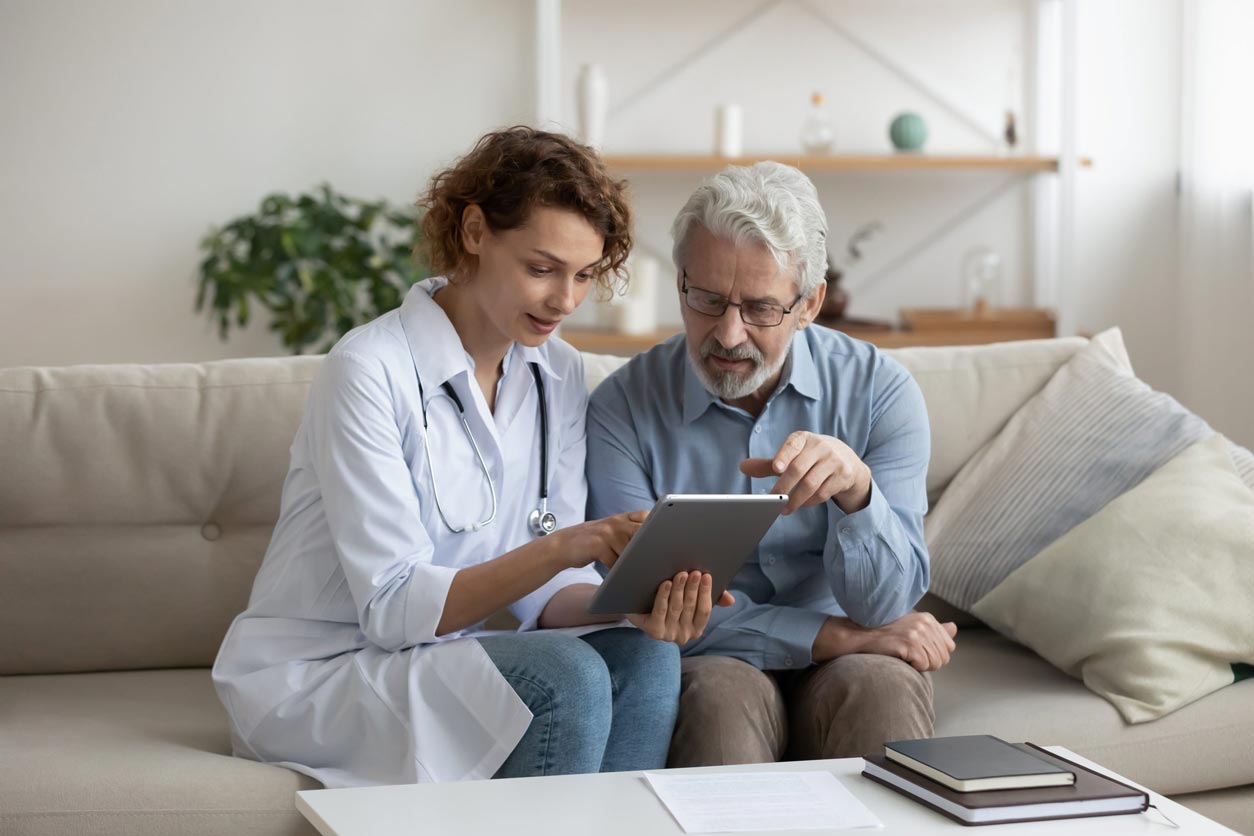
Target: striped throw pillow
(1094, 432)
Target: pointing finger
(757, 468)
(792, 445)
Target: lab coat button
(210, 531)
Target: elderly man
(820, 656)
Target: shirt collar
(697, 399)
(538, 355)
(437, 349)
(804, 377)
(799, 373)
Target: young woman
(438, 476)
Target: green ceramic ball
(908, 132)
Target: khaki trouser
(731, 712)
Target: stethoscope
(542, 521)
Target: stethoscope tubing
(541, 521)
(435, 489)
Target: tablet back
(712, 533)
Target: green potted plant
(320, 263)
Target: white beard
(731, 386)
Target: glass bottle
(816, 132)
(981, 281)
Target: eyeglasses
(761, 314)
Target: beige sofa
(136, 503)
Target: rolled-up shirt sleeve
(568, 491)
(371, 505)
(767, 636)
(876, 558)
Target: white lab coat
(334, 669)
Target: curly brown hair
(508, 174)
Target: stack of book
(981, 779)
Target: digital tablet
(712, 533)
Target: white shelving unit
(1051, 157)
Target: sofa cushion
(145, 752)
(135, 510)
(994, 686)
(972, 391)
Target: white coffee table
(621, 804)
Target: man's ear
(474, 227)
(810, 307)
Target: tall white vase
(592, 103)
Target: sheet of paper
(735, 802)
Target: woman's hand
(681, 609)
(596, 541)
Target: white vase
(637, 312)
(729, 130)
(592, 103)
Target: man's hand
(812, 469)
(916, 638)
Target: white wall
(129, 127)
(1128, 120)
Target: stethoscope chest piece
(542, 520)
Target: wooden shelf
(839, 162)
(921, 327)
(612, 342)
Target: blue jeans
(602, 702)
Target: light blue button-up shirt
(654, 429)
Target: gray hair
(768, 203)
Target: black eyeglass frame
(783, 311)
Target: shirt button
(771, 559)
(210, 531)
(757, 429)
(788, 661)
